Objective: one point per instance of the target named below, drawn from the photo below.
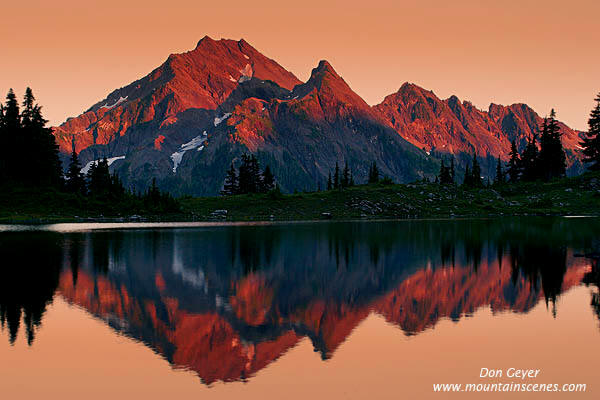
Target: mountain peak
(324, 65)
(323, 70)
(408, 87)
(205, 40)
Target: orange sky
(544, 53)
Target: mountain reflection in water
(225, 302)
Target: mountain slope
(454, 127)
(302, 135)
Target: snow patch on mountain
(195, 143)
(111, 160)
(121, 100)
(222, 118)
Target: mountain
(200, 79)
(459, 128)
(190, 118)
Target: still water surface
(325, 310)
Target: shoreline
(576, 196)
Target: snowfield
(111, 160)
(121, 100)
(195, 143)
(223, 118)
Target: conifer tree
(444, 177)
(551, 158)
(559, 160)
(28, 105)
(329, 183)
(514, 163)
(476, 173)
(373, 173)
(438, 178)
(268, 180)
(12, 119)
(591, 143)
(529, 165)
(99, 179)
(452, 172)
(345, 176)
(247, 176)
(230, 187)
(75, 182)
(468, 179)
(499, 180)
(26, 132)
(9, 136)
(336, 177)
(255, 175)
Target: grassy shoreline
(569, 196)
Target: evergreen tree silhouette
(468, 179)
(25, 133)
(230, 187)
(249, 176)
(345, 176)
(75, 182)
(551, 158)
(591, 141)
(529, 159)
(329, 183)
(99, 179)
(476, 173)
(499, 180)
(373, 173)
(336, 177)
(12, 119)
(268, 180)
(514, 163)
(9, 137)
(445, 177)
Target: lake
(331, 310)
